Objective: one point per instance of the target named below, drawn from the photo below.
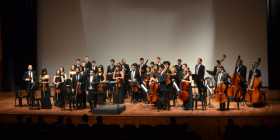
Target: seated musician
(135, 80)
(118, 76)
(57, 81)
(30, 82)
(45, 89)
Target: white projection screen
(171, 29)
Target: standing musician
(126, 70)
(69, 96)
(79, 89)
(57, 81)
(179, 68)
(30, 83)
(100, 78)
(158, 61)
(199, 81)
(91, 86)
(78, 63)
(254, 95)
(241, 70)
(72, 72)
(88, 65)
(165, 89)
(45, 89)
(118, 76)
(221, 88)
(135, 79)
(142, 67)
(94, 66)
(176, 83)
(186, 89)
(110, 71)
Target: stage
(138, 110)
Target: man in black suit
(134, 79)
(30, 82)
(88, 65)
(199, 80)
(91, 90)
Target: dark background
(18, 42)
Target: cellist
(254, 95)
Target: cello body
(220, 93)
(153, 95)
(185, 95)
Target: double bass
(220, 93)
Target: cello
(184, 95)
(153, 95)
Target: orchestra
(156, 83)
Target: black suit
(30, 85)
(242, 70)
(110, 71)
(136, 76)
(142, 68)
(200, 72)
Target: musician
(72, 72)
(165, 90)
(45, 89)
(79, 85)
(241, 69)
(110, 71)
(94, 66)
(152, 64)
(78, 63)
(30, 82)
(102, 85)
(179, 66)
(118, 76)
(188, 104)
(135, 79)
(69, 96)
(57, 81)
(222, 83)
(215, 69)
(199, 72)
(126, 70)
(158, 61)
(88, 65)
(142, 68)
(91, 90)
(175, 80)
(255, 96)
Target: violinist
(45, 89)
(118, 76)
(134, 80)
(57, 81)
(94, 66)
(78, 81)
(142, 67)
(126, 70)
(158, 61)
(30, 82)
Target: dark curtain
(19, 35)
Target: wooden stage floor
(7, 106)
